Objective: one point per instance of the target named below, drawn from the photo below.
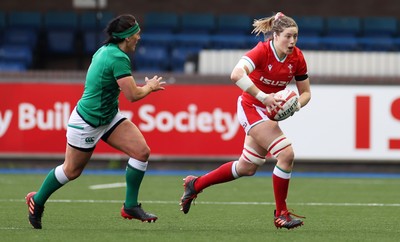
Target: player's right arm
(134, 92)
(240, 77)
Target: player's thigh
(127, 138)
(264, 133)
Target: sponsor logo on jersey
(273, 83)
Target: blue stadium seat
(157, 39)
(377, 43)
(310, 25)
(12, 66)
(27, 37)
(91, 20)
(380, 26)
(199, 23)
(91, 25)
(92, 40)
(340, 43)
(252, 40)
(28, 20)
(66, 20)
(16, 54)
(236, 24)
(310, 43)
(396, 42)
(161, 22)
(192, 40)
(180, 55)
(343, 26)
(2, 24)
(151, 58)
(3, 21)
(61, 42)
(61, 29)
(228, 41)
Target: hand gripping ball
(289, 105)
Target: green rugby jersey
(99, 102)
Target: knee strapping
(278, 145)
(250, 155)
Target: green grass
(337, 209)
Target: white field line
(217, 203)
(106, 186)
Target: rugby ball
(289, 105)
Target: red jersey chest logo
(278, 75)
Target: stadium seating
(92, 40)
(229, 41)
(233, 24)
(93, 20)
(61, 32)
(160, 22)
(340, 43)
(201, 41)
(310, 42)
(169, 39)
(151, 58)
(157, 39)
(12, 66)
(91, 27)
(180, 55)
(377, 43)
(343, 26)
(380, 26)
(21, 55)
(2, 20)
(27, 20)
(310, 26)
(25, 37)
(199, 23)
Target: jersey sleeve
(122, 67)
(301, 73)
(254, 56)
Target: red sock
(281, 187)
(220, 175)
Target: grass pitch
(337, 209)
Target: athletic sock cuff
(281, 173)
(137, 164)
(60, 175)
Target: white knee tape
(250, 155)
(278, 145)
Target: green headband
(131, 31)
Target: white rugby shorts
(82, 135)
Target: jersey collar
(271, 43)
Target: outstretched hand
(155, 83)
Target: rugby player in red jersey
(264, 70)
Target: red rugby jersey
(271, 74)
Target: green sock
(49, 186)
(134, 178)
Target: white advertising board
(347, 122)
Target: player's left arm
(304, 90)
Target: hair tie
(278, 15)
